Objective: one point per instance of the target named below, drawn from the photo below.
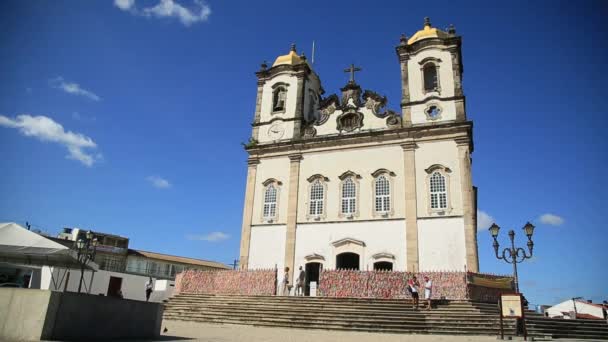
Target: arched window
(279, 97)
(383, 194)
(316, 198)
(270, 202)
(438, 189)
(349, 196)
(431, 81)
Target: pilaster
(292, 213)
(252, 165)
(468, 205)
(299, 114)
(411, 214)
(406, 112)
(258, 109)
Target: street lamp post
(511, 254)
(85, 249)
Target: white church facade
(340, 181)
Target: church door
(312, 274)
(348, 261)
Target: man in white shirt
(428, 291)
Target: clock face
(276, 131)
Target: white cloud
(124, 5)
(73, 88)
(46, 129)
(484, 220)
(551, 219)
(213, 237)
(198, 12)
(159, 182)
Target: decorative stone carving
(374, 102)
(351, 91)
(327, 107)
(350, 120)
(393, 119)
(310, 131)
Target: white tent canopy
(21, 246)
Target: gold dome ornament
(427, 32)
(292, 58)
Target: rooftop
(173, 258)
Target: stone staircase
(552, 328)
(353, 314)
(370, 315)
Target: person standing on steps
(413, 286)
(149, 287)
(285, 283)
(300, 283)
(428, 291)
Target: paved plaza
(204, 332)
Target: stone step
(375, 328)
(318, 299)
(323, 308)
(401, 306)
(329, 316)
(300, 312)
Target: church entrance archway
(383, 266)
(312, 274)
(347, 260)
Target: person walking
(285, 283)
(413, 286)
(428, 291)
(149, 287)
(300, 282)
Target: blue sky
(159, 98)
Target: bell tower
(287, 98)
(431, 76)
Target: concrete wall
(27, 314)
(23, 313)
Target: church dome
(427, 32)
(292, 58)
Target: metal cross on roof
(352, 71)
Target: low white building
(572, 308)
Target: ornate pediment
(348, 241)
(351, 91)
(314, 256)
(383, 256)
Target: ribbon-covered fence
(234, 282)
(392, 285)
(488, 287)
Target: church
(341, 182)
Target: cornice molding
(431, 98)
(418, 132)
(277, 118)
(253, 161)
(317, 176)
(349, 174)
(383, 171)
